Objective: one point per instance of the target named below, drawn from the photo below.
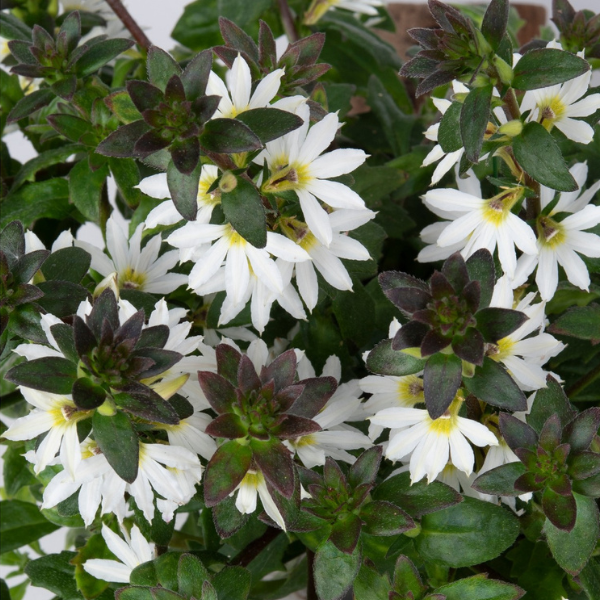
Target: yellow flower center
(410, 391)
(501, 349)
(305, 440)
(497, 209)
(130, 279)
(445, 424)
(252, 479)
(65, 411)
(286, 177)
(551, 111)
(550, 232)
(204, 198)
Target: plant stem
(582, 383)
(534, 205)
(136, 31)
(253, 549)
(287, 19)
(311, 591)
(512, 104)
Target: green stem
(252, 550)
(534, 204)
(582, 383)
(136, 31)
(287, 19)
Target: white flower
(560, 106)
(252, 485)
(58, 416)
(326, 259)
(561, 241)
(131, 552)
(97, 483)
(240, 257)
(319, 7)
(522, 353)
(483, 224)
(336, 437)
(460, 481)
(170, 470)
(136, 267)
(433, 442)
(295, 163)
(165, 213)
(237, 96)
(33, 242)
(189, 433)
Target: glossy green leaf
(229, 136)
(474, 117)
(99, 54)
(269, 123)
(86, 188)
(479, 587)
(449, 133)
(48, 374)
(581, 322)
(67, 264)
(501, 480)
(20, 524)
(385, 361)
(184, 190)
(441, 380)
(539, 155)
(467, 534)
(244, 210)
(545, 67)
(334, 571)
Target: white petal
(547, 273)
(266, 90)
(155, 186)
(338, 162)
(307, 284)
(284, 248)
(107, 570)
(574, 267)
(315, 216)
(462, 456)
(337, 195)
(318, 139)
(240, 83)
(578, 131)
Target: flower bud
(504, 70)
(228, 182)
(111, 282)
(512, 128)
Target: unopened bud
(107, 408)
(110, 281)
(228, 182)
(504, 70)
(512, 128)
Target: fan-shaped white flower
(483, 224)
(57, 416)
(131, 552)
(165, 213)
(237, 96)
(252, 486)
(319, 7)
(240, 257)
(136, 267)
(522, 353)
(296, 163)
(433, 442)
(560, 241)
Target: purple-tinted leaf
(293, 426)
(384, 518)
(549, 401)
(237, 38)
(275, 462)
(228, 360)
(149, 143)
(144, 95)
(267, 51)
(561, 485)
(384, 360)
(316, 393)
(345, 533)
(121, 143)
(225, 471)
(153, 337)
(49, 374)
(408, 293)
(584, 465)
(287, 396)
(161, 67)
(551, 433)
(144, 402)
(119, 443)
(28, 265)
(163, 360)
(419, 67)
(29, 104)
(229, 136)
(365, 469)
(441, 380)
(472, 294)
(580, 432)
(433, 342)
(247, 378)
(469, 347)
(131, 330)
(560, 510)
(195, 75)
(205, 107)
(218, 391)
(86, 394)
(494, 22)
(528, 482)
(496, 323)
(175, 92)
(440, 286)
(410, 335)
(282, 370)
(455, 270)
(529, 457)
(85, 341)
(227, 426)
(436, 79)
(333, 476)
(516, 433)
(185, 154)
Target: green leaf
(127, 177)
(269, 123)
(474, 117)
(12, 28)
(501, 480)
(191, 574)
(16, 474)
(118, 441)
(590, 579)
(480, 267)
(135, 593)
(29, 104)
(449, 133)
(67, 264)
(243, 208)
(370, 585)
(229, 136)
(496, 323)
(61, 298)
(539, 155)
(416, 499)
(55, 572)
(120, 143)
(225, 470)
(227, 518)
(582, 322)
(467, 534)
(441, 380)
(150, 407)
(334, 571)
(407, 579)
(69, 126)
(572, 549)
(384, 518)
(479, 587)
(232, 583)
(492, 384)
(385, 361)
(494, 22)
(241, 12)
(396, 125)
(45, 199)
(161, 67)
(354, 313)
(49, 374)
(184, 190)
(545, 67)
(86, 190)
(20, 524)
(99, 54)
(123, 107)
(198, 27)
(550, 400)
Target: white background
(157, 18)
